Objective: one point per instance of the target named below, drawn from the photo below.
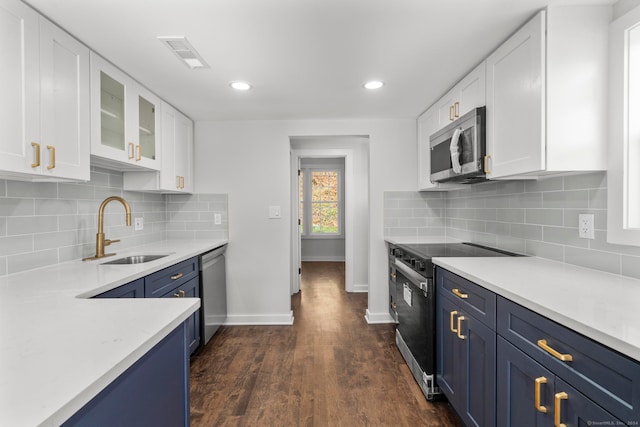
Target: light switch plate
(217, 219)
(138, 224)
(274, 212)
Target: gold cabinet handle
(176, 277)
(556, 408)
(456, 111)
(131, 150)
(138, 153)
(486, 164)
(460, 319)
(393, 276)
(180, 294)
(182, 182)
(539, 407)
(52, 157)
(177, 182)
(451, 113)
(451, 316)
(394, 305)
(555, 353)
(37, 162)
(459, 294)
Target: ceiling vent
(181, 47)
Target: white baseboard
(260, 319)
(360, 288)
(373, 318)
(322, 259)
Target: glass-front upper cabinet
(124, 120)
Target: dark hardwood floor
(329, 369)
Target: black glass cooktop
(454, 250)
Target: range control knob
(421, 265)
(399, 253)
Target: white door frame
(349, 254)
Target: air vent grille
(181, 47)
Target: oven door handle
(415, 278)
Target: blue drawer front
(161, 282)
(479, 302)
(603, 375)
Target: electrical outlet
(585, 226)
(217, 219)
(138, 224)
(274, 212)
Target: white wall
(249, 160)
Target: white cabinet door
(471, 91)
(176, 173)
(183, 152)
(427, 125)
(19, 83)
(64, 98)
(124, 120)
(516, 102)
(44, 81)
(145, 127)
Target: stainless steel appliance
(412, 302)
(458, 150)
(213, 293)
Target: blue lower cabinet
(530, 395)
(153, 392)
(134, 289)
(519, 380)
(190, 289)
(466, 363)
(181, 280)
(573, 408)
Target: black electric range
(412, 302)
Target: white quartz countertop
(600, 305)
(59, 349)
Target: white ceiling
(306, 59)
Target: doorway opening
(329, 190)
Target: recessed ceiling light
(374, 84)
(240, 85)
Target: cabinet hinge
(299, 172)
(299, 271)
(299, 221)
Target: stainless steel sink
(136, 259)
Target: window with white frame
(623, 172)
(321, 201)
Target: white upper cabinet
(44, 81)
(176, 174)
(546, 95)
(466, 95)
(427, 125)
(124, 120)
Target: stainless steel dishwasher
(213, 292)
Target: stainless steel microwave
(458, 150)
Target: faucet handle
(107, 242)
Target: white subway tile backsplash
(12, 245)
(31, 260)
(605, 261)
(566, 199)
(47, 223)
(538, 218)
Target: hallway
(329, 369)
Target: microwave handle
(455, 151)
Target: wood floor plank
(329, 369)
